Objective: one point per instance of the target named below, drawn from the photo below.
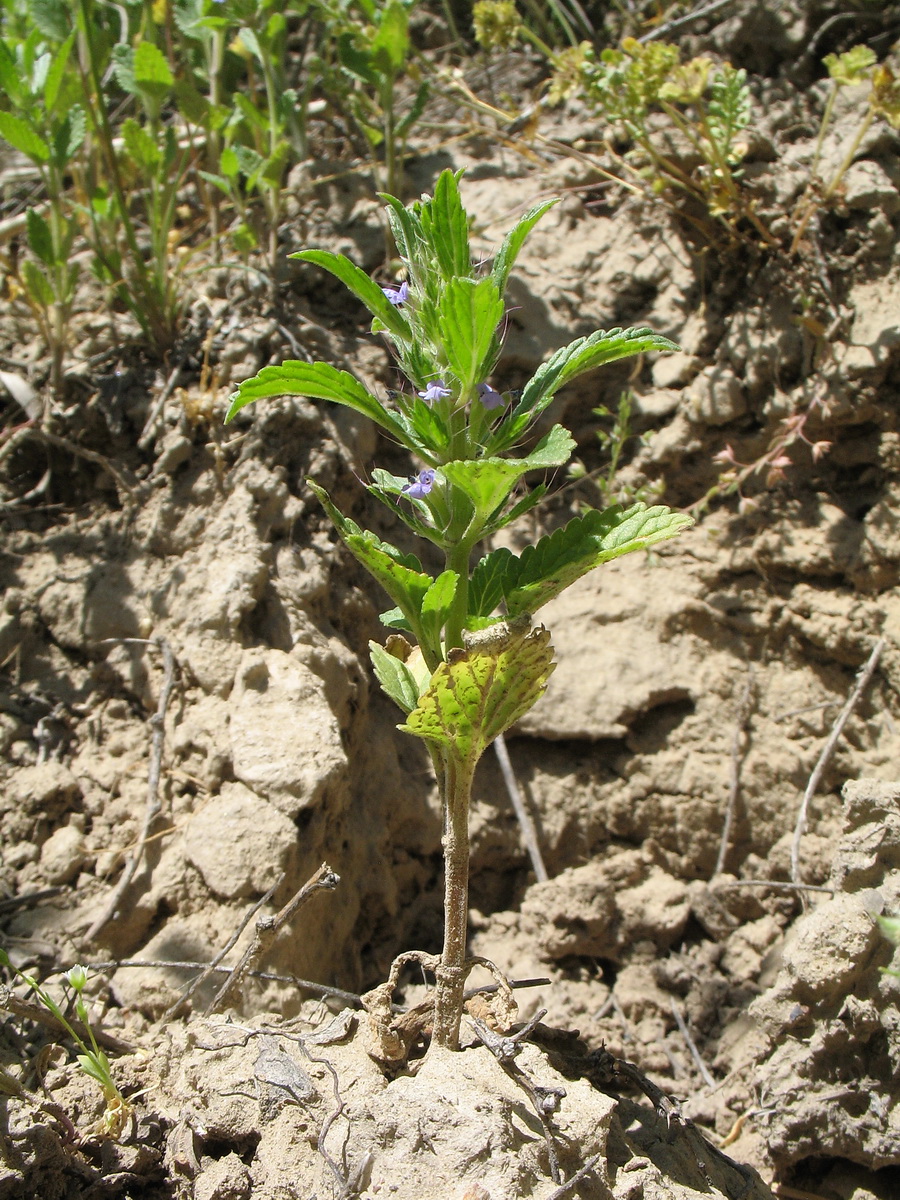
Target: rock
(285, 740)
(674, 370)
(63, 855)
(240, 843)
(717, 397)
(867, 186)
(223, 1179)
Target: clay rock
(831, 1019)
(63, 855)
(285, 739)
(240, 843)
(616, 660)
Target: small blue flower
(435, 391)
(490, 398)
(420, 485)
(399, 295)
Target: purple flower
(489, 398)
(420, 485)
(435, 391)
(399, 295)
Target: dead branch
(153, 807)
(691, 1045)
(737, 753)
(544, 1100)
(582, 1173)
(210, 969)
(167, 390)
(529, 833)
(862, 682)
(267, 928)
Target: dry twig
(267, 930)
(862, 682)
(544, 1100)
(734, 784)
(529, 833)
(212, 967)
(692, 1045)
(153, 807)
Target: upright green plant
(47, 125)
(91, 1058)
(706, 102)
(477, 664)
(373, 50)
(855, 67)
(131, 186)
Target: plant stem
(451, 974)
(457, 559)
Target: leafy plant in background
(475, 663)
(373, 51)
(47, 125)
(92, 1060)
(857, 66)
(707, 103)
(259, 131)
(610, 489)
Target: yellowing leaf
(482, 690)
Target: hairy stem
(451, 974)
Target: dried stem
(267, 930)
(209, 970)
(734, 785)
(529, 833)
(862, 682)
(153, 807)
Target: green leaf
(40, 239)
(468, 315)
(446, 227)
(251, 43)
(52, 17)
(418, 107)
(191, 104)
(853, 66)
(68, 137)
(528, 501)
(400, 575)
(390, 45)
(37, 284)
(56, 73)
(405, 226)
(140, 146)
(123, 68)
(580, 356)
(481, 691)
(11, 81)
(436, 606)
(393, 618)
(548, 567)
(395, 677)
(513, 242)
(487, 482)
(229, 164)
(151, 71)
(362, 287)
(23, 137)
(319, 381)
